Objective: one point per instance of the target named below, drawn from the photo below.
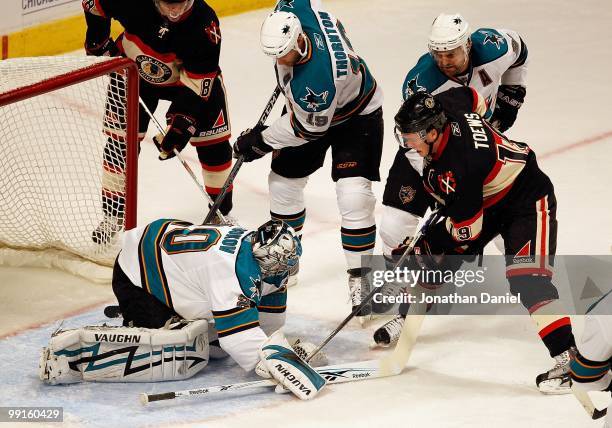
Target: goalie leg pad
(125, 354)
(288, 369)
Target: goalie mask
(279, 34)
(276, 247)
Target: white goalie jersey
(207, 272)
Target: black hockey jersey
(167, 53)
(474, 169)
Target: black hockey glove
(104, 48)
(250, 144)
(181, 129)
(509, 100)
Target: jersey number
(512, 151)
(190, 240)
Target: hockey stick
(587, 403)
(240, 160)
(339, 373)
(428, 218)
(180, 158)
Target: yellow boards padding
(68, 34)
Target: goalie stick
(240, 160)
(587, 404)
(395, 362)
(339, 373)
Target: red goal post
(68, 146)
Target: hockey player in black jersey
(488, 185)
(176, 46)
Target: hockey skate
(557, 379)
(106, 230)
(358, 290)
(388, 334)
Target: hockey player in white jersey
(186, 291)
(494, 63)
(590, 370)
(332, 100)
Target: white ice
(465, 371)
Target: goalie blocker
(125, 354)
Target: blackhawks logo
(447, 182)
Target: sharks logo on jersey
(255, 289)
(285, 3)
(313, 100)
(413, 87)
(492, 38)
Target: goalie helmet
(276, 247)
(449, 32)
(279, 34)
(173, 10)
(418, 114)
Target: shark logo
(494, 39)
(313, 100)
(255, 288)
(412, 87)
(285, 3)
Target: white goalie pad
(125, 354)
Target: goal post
(68, 160)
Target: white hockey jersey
(207, 272)
(328, 86)
(497, 57)
(591, 369)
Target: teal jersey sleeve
(248, 272)
(424, 76)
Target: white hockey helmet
(448, 31)
(279, 34)
(276, 247)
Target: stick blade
(598, 414)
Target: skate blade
(556, 386)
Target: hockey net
(68, 160)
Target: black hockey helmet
(419, 114)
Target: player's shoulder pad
(424, 76)
(488, 44)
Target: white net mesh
(63, 159)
